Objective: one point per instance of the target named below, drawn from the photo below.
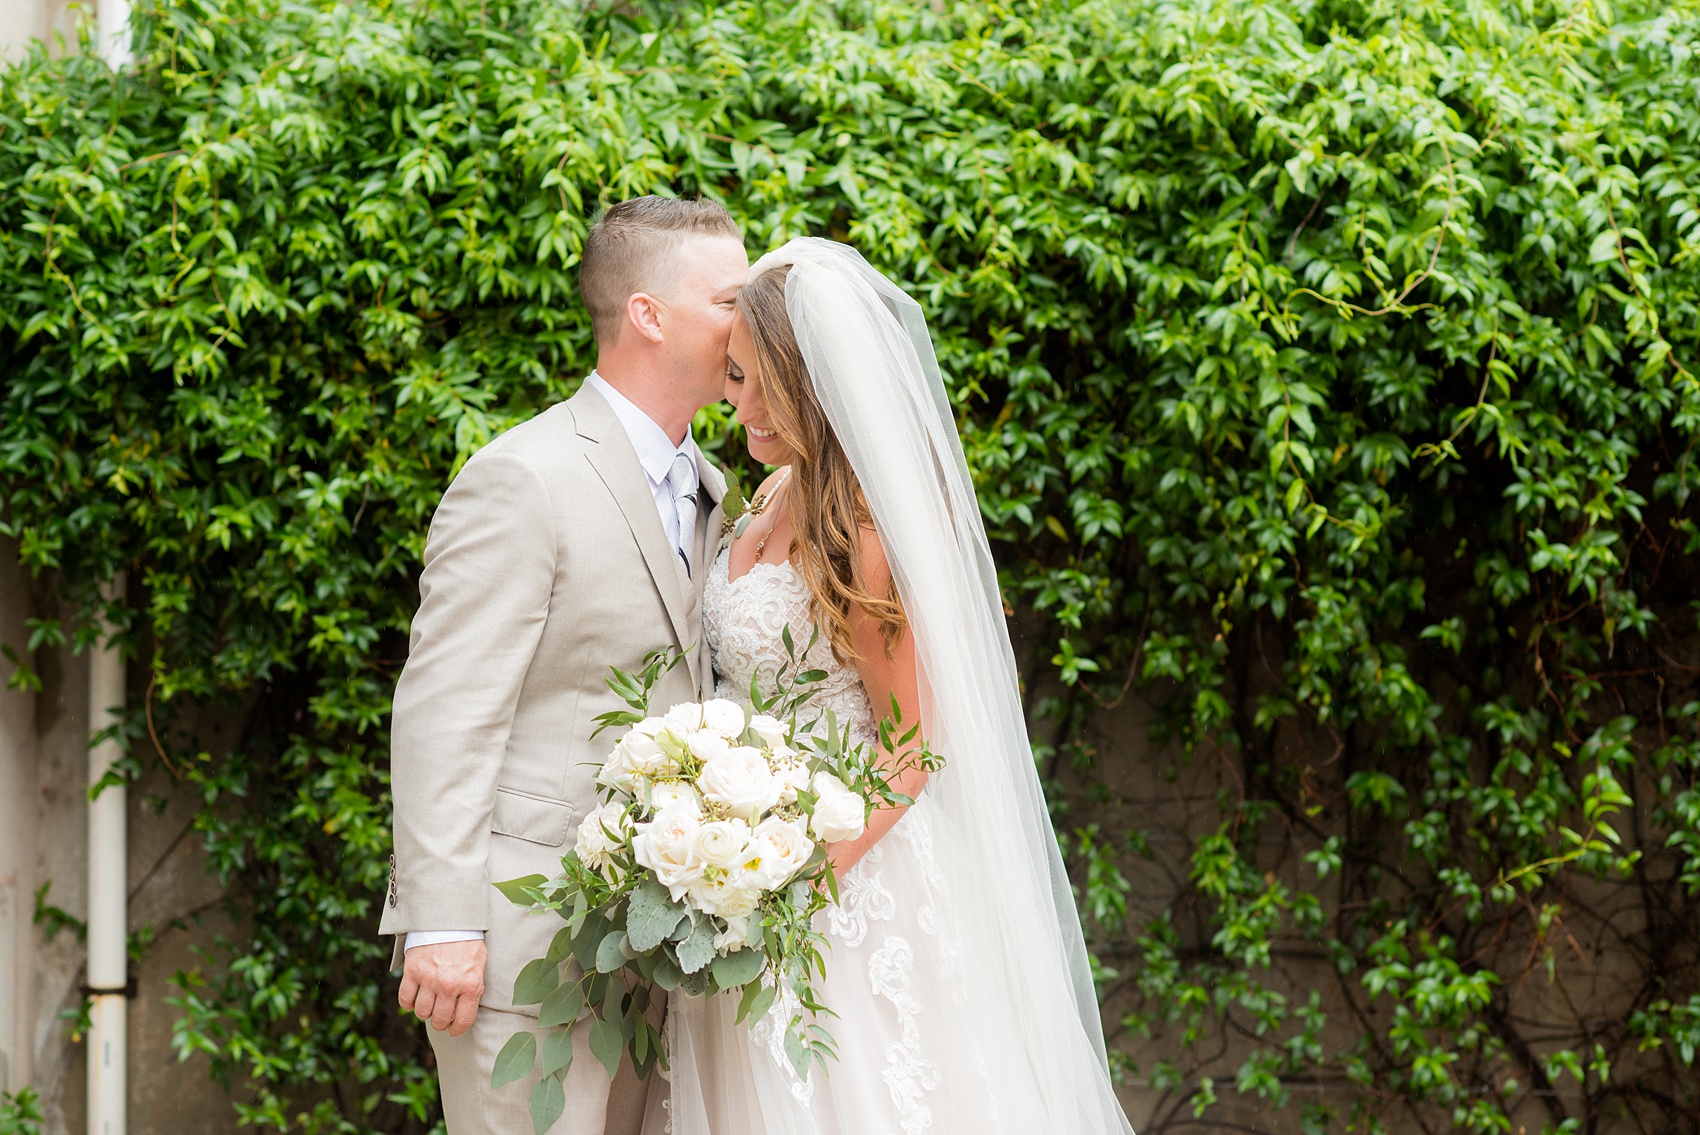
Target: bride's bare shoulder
(771, 481)
(876, 569)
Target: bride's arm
(884, 676)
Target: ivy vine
(1329, 373)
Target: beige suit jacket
(546, 563)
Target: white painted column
(108, 968)
(112, 17)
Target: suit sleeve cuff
(437, 937)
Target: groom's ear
(644, 312)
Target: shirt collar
(655, 450)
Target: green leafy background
(1327, 369)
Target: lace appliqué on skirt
(861, 896)
(907, 1075)
(769, 1034)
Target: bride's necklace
(757, 507)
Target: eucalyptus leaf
(561, 946)
(537, 980)
(556, 1052)
(562, 1007)
(667, 973)
(523, 890)
(756, 1001)
(696, 984)
(515, 1060)
(587, 943)
(797, 1052)
(738, 968)
(611, 952)
(548, 1101)
(606, 1044)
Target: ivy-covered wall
(1329, 370)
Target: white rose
(664, 845)
(724, 717)
(726, 897)
(618, 772)
(721, 843)
(793, 774)
(650, 726)
(735, 937)
(707, 745)
(666, 793)
(594, 842)
(737, 901)
(828, 784)
(637, 755)
(645, 756)
(685, 718)
(742, 781)
(840, 814)
(777, 850)
(770, 729)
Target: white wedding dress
(903, 1066)
(955, 964)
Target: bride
(956, 970)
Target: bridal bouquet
(701, 872)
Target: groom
(577, 540)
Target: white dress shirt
(655, 451)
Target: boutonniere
(734, 509)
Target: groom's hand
(443, 983)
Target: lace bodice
(742, 620)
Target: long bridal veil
(1024, 1003)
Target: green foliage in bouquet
(1328, 369)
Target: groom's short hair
(626, 252)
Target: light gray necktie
(682, 482)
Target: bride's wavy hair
(828, 510)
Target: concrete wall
(44, 840)
(17, 845)
(53, 21)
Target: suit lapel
(707, 549)
(616, 462)
(713, 483)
